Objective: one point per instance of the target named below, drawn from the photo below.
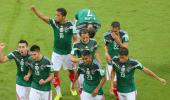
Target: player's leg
(69, 66)
(22, 92)
(108, 76)
(47, 95)
(80, 83)
(57, 63)
(85, 96)
(34, 94)
(131, 95)
(122, 96)
(99, 97)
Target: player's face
(87, 59)
(35, 55)
(23, 49)
(85, 38)
(123, 58)
(115, 30)
(59, 17)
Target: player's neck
(40, 57)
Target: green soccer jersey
(86, 16)
(92, 76)
(125, 74)
(40, 70)
(79, 46)
(113, 47)
(22, 68)
(63, 34)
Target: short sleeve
(10, 55)
(52, 22)
(95, 46)
(101, 72)
(80, 70)
(125, 38)
(138, 65)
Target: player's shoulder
(123, 32)
(115, 59)
(92, 40)
(46, 60)
(78, 42)
(107, 34)
(133, 61)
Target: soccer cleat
(73, 92)
(58, 97)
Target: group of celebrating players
(76, 50)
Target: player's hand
(33, 7)
(163, 81)
(26, 78)
(41, 82)
(2, 46)
(95, 92)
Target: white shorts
(40, 95)
(127, 96)
(108, 72)
(80, 81)
(22, 92)
(60, 61)
(87, 96)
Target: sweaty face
(35, 55)
(23, 49)
(59, 17)
(115, 30)
(87, 59)
(123, 58)
(85, 38)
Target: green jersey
(22, 68)
(92, 76)
(63, 34)
(125, 74)
(40, 70)
(86, 16)
(112, 46)
(79, 46)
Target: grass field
(147, 22)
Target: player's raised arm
(40, 14)
(152, 74)
(3, 58)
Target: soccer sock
(115, 93)
(57, 84)
(71, 76)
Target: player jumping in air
(63, 35)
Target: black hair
(35, 48)
(85, 53)
(83, 31)
(115, 24)
(123, 51)
(92, 32)
(62, 11)
(23, 41)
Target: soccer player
(63, 35)
(86, 18)
(20, 55)
(42, 72)
(85, 43)
(124, 67)
(114, 39)
(94, 78)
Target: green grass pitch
(146, 21)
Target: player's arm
(50, 78)
(112, 77)
(75, 38)
(107, 56)
(152, 74)
(97, 56)
(40, 14)
(75, 59)
(3, 58)
(27, 77)
(103, 80)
